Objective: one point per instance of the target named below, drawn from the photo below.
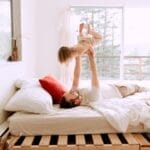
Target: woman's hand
(81, 26)
(91, 52)
(88, 28)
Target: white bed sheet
(78, 120)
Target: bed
(79, 128)
(83, 127)
(79, 120)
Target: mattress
(78, 120)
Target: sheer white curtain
(68, 30)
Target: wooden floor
(81, 142)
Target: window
(125, 50)
(107, 21)
(10, 31)
(5, 29)
(137, 43)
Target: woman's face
(74, 97)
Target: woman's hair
(64, 54)
(66, 104)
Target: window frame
(16, 12)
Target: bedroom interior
(29, 119)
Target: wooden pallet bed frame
(108, 141)
(113, 141)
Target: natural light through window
(137, 31)
(5, 29)
(125, 50)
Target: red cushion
(53, 87)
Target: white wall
(125, 3)
(28, 28)
(8, 73)
(47, 36)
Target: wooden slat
(61, 147)
(114, 138)
(134, 142)
(130, 138)
(27, 141)
(129, 147)
(12, 141)
(45, 140)
(145, 148)
(5, 136)
(3, 127)
(62, 140)
(88, 147)
(141, 140)
(97, 139)
(119, 147)
(80, 140)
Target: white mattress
(78, 120)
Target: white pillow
(33, 100)
(127, 89)
(26, 83)
(109, 91)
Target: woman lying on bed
(76, 96)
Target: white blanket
(121, 113)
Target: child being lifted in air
(87, 39)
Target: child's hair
(64, 54)
(66, 104)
